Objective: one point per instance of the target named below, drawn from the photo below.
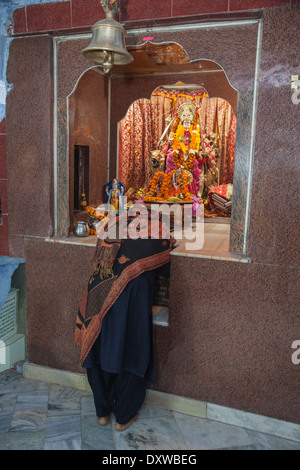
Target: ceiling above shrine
(166, 57)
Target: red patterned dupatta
(124, 260)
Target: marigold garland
(184, 154)
(166, 190)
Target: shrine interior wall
(87, 113)
(125, 90)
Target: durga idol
(184, 147)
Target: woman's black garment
(121, 360)
(123, 394)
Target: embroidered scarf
(116, 262)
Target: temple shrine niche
(178, 147)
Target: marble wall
(231, 325)
(61, 271)
(274, 219)
(29, 141)
(4, 246)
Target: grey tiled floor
(36, 415)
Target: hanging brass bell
(107, 46)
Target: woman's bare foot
(122, 427)
(103, 420)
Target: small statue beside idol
(114, 192)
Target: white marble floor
(36, 415)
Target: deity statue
(114, 191)
(189, 159)
(184, 143)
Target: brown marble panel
(70, 65)
(48, 17)
(136, 10)
(29, 136)
(3, 126)
(253, 4)
(4, 244)
(230, 335)
(86, 12)
(16, 246)
(183, 8)
(274, 221)
(3, 173)
(56, 275)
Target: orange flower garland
(154, 183)
(94, 214)
(184, 157)
(181, 150)
(165, 190)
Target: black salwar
(123, 394)
(121, 361)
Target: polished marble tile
(39, 385)
(16, 384)
(95, 437)
(9, 376)
(159, 433)
(203, 434)
(63, 428)
(263, 441)
(64, 400)
(254, 421)
(252, 447)
(5, 420)
(58, 392)
(88, 405)
(7, 401)
(70, 423)
(63, 444)
(64, 407)
(26, 440)
(29, 419)
(149, 411)
(31, 400)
